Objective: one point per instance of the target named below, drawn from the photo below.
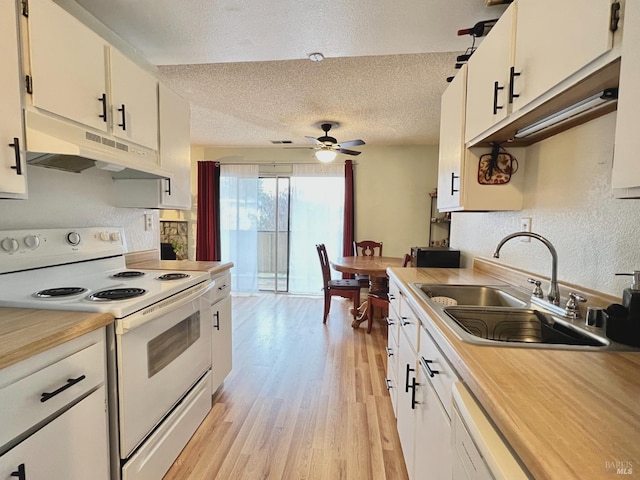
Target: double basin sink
(504, 316)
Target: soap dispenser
(631, 296)
(623, 320)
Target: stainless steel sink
(520, 325)
(476, 295)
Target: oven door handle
(162, 307)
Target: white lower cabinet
(53, 413)
(219, 300)
(424, 401)
(71, 447)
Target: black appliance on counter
(439, 257)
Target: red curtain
(349, 224)
(208, 226)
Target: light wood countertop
(150, 260)
(567, 414)
(25, 332)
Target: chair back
(407, 259)
(324, 264)
(367, 248)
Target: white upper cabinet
(134, 101)
(77, 75)
(488, 77)
(68, 68)
(625, 177)
(451, 153)
(13, 180)
(175, 148)
(554, 40)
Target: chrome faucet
(554, 292)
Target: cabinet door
(547, 33)
(67, 66)
(71, 447)
(134, 99)
(405, 410)
(488, 77)
(433, 433)
(392, 364)
(12, 168)
(175, 149)
(222, 345)
(451, 154)
(626, 164)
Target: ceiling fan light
(325, 156)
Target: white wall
(391, 188)
(569, 198)
(63, 199)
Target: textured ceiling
(243, 66)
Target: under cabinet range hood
(59, 144)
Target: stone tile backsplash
(177, 234)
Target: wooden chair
(381, 298)
(345, 288)
(366, 248)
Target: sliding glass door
(273, 233)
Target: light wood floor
(304, 400)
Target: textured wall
(63, 199)
(569, 198)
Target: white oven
(158, 363)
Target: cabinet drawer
(442, 374)
(221, 288)
(410, 325)
(394, 299)
(33, 398)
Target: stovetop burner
(173, 276)
(116, 294)
(59, 292)
(128, 274)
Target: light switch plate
(525, 226)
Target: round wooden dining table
(375, 267)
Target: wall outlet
(148, 222)
(525, 226)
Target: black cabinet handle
(425, 364)
(496, 89)
(453, 177)
(389, 387)
(413, 393)
(406, 381)
(103, 99)
(217, 324)
(20, 473)
(512, 75)
(168, 190)
(389, 352)
(124, 119)
(70, 383)
(16, 148)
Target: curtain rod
(279, 163)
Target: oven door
(158, 362)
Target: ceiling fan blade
(351, 143)
(348, 152)
(314, 140)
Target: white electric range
(159, 349)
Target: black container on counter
(439, 257)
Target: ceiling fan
(327, 147)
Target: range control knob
(104, 236)
(73, 238)
(115, 236)
(32, 241)
(9, 245)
